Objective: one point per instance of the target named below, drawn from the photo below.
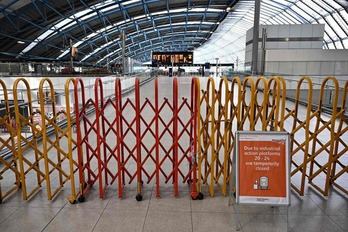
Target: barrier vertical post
(175, 136)
(248, 110)
(99, 105)
(195, 193)
(261, 109)
(87, 156)
(118, 104)
(139, 197)
(49, 144)
(10, 165)
(297, 146)
(339, 167)
(157, 139)
(330, 143)
(28, 164)
(73, 165)
(273, 116)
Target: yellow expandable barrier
(274, 106)
(30, 155)
(221, 132)
(54, 134)
(283, 103)
(322, 151)
(234, 120)
(72, 144)
(247, 120)
(261, 103)
(299, 136)
(206, 138)
(9, 175)
(340, 167)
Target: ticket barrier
(9, 174)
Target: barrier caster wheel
(139, 197)
(82, 199)
(0, 201)
(194, 195)
(200, 196)
(234, 194)
(188, 182)
(72, 200)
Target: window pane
(313, 6)
(301, 13)
(345, 42)
(335, 26)
(291, 14)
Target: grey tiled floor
(311, 212)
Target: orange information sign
(262, 160)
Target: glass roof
(212, 29)
(231, 32)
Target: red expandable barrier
(143, 130)
(126, 134)
(109, 162)
(88, 130)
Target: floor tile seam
(170, 211)
(309, 197)
(18, 208)
(101, 214)
(147, 211)
(212, 212)
(335, 223)
(191, 215)
(54, 216)
(305, 214)
(286, 217)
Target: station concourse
(310, 212)
(174, 116)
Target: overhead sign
(263, 167)
(172, 58)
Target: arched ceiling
(44, 30)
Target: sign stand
(260, 170)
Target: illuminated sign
(172, 58)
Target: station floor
(309, 213)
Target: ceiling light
(20, 42)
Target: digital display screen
(172, 58)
